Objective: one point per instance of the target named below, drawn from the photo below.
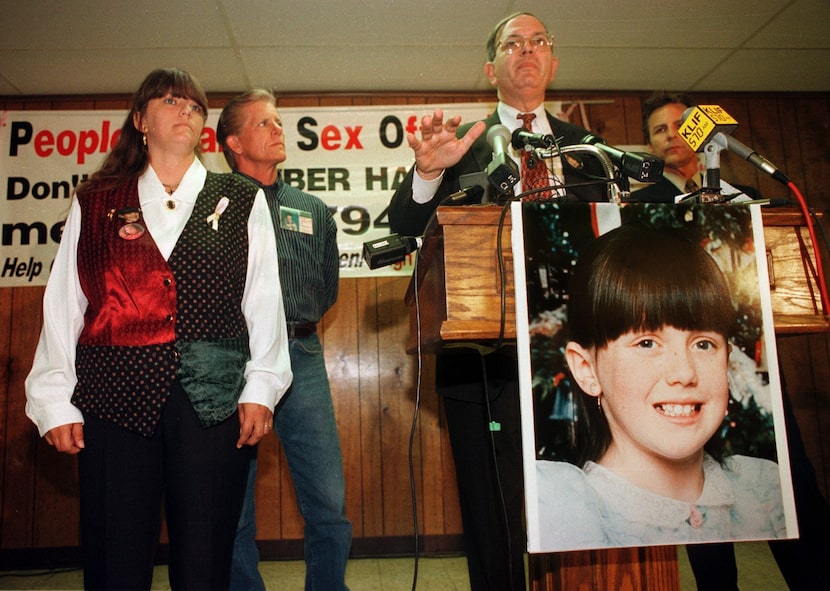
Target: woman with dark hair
(650, 317)
(150, 366)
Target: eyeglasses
(513, 45)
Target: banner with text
(353, 158)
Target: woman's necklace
(170, 189)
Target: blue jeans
(304, 422)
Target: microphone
(473, 193)
(523, 139)
(389, 250)
(734, 145)
(642, 166)
(705, 124)
(502, 171)
(699, 124)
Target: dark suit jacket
(410, 218)
(664, 191)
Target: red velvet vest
(149, 322)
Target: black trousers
(485, 434)
(199, 475)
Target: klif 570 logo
(702, 122)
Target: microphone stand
(615, 194)
(710, 193)
(624, 184)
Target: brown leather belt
(301, 330)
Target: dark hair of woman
(128, 157)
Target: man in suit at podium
(520, 66)
(483, 412)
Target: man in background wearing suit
(480, 392)
(662, 117)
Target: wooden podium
(462, 294)
(460, 287)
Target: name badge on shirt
(296, 220)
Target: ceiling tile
(97, 46)
(107, 24)
(777, 70)
(81, 72)
(634, 69)
(298, 69)
(803, 24)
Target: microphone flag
(702, 122)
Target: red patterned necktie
(534, 170)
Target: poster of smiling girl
(651, 399)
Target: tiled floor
(756, 566)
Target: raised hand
(438, 148)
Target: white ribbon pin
(213, 219)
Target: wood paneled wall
(374, 382)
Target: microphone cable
(483, 351)
(413, 429)
(819, 266)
